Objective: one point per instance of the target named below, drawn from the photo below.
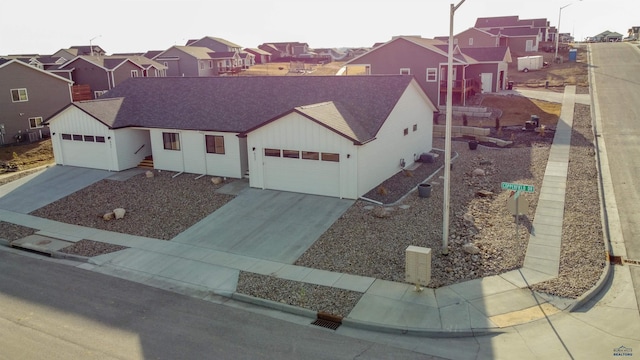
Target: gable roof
(239, 104)
(437, 46)
(104, 110)
(16, 61)
(515, 31)
(257, 51)
(489, 54)
(497, 21)
(197, 52)
(335, 116)
(216, 39)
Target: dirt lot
(557, 74)
(26, 156)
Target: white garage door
(85, 151)
(303, 171)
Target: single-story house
(325, 135)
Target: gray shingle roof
(239, 104)
(104, 110)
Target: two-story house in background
(29, 95)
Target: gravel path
(369, 239)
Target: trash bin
(535, 119)
(510, 85)
(424, 190)
(573, 55)
(473, 144)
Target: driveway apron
(44, 187)
(266, 224)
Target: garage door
(302, 171)
(85, 151)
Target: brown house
(474, 69)
(29, 96)
(260, 56)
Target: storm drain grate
(326, 324)
(615, 260)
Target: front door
(487, 80)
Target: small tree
(497, 122)
(465, 122)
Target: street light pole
(447, 136)
(91, 45)
(558, 29)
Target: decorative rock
(149, 174)
(216, 180)
(368, 207)
(468, 218)
(484, 193)
(478, 172)
(381, 212)
(108, 216)
(470, 249)
(404, 207)
(119, 213)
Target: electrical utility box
(418, 265)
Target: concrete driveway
(272, 225)
(44, 187)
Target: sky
(117, 26)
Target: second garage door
(302, 171)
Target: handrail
(140, 148)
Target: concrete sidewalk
(488, 305)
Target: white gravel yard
(370, 240)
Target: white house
(325, 135)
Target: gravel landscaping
(370, 239)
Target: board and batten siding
(296, 132)
(192, 156)
(81, 153)
(380, 159)
(132, 146)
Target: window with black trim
(415, 127)
(19, 95)
(215, 144)
(35, 122)
(77, 137)
(171, 140)
(66, 136)
(89, 138)
(272, 152)
(100, 139)
(406, 131)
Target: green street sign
(517, 187)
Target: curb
(433, 333)
(275, 305)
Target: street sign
(517, 187)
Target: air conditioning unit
(418, 266)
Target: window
(310, 155)
(89, 138)
(19, 95)
(201, 65)
(330, 157)
(100, 139)
(406, 131)
(415, 127)
(470, 41)
(134, 73)
(171, 141)
(272, 152)
(432, 74)
(210, 64)
(166, 64)
(66, 136)
(405, 71)
(291, 154)
(77, 137)
(97, 94)
(35, 122)
(215, 144)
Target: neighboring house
(247, 59)
(634, 33)
(518, 39)
(190, 61)
(608, 36)
(474, 69)
(103, 73)
(215, 44)
(260, 56)
(326, 135)
(285, 49)
(89, 50)
(506, 22)
(520, 35)
(474, 37)
(29, 95)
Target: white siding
(295, 132)
(80, 153)
(127, 143)
(192, 156)
(380, 159)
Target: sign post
(516, 189)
